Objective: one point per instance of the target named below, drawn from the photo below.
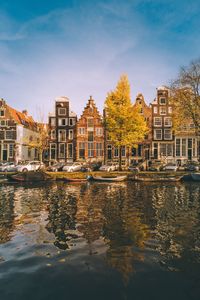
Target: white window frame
(53, 134)
(59, 135)
(59, 152)
(169, 110)
(161, 108)
(53, 149)
(70, 134)
(81, 131)
(60, 122)
(7, 139)
(71, 145)
(167, 139)
(99, 131)
(155, 134)
(156, 119)
(71, 121)
(155, 109)
(53, 121)
(161, 102)
(165, 122)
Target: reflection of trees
(62, 212)
(6, 213)
(89, 214)
(177, 214)
(123, 230)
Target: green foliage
(124, 124)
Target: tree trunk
(120, 158)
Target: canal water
(100, 241)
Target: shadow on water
(100, 241)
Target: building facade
(18, 131)
(162, 134)
(90, 134)
(62, 126)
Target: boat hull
(195, 176)
(109, 179)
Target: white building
(18, 133)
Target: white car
(171, 167)
(7, 167)
(72, 167)
(29, 166)
(109, 167)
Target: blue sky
(78, 48)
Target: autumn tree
(185, 96)
(123, 122)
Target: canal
(100, 241)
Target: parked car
(56, 167)
(136, 167)
(95, 166)
(109, 167)
(7, 167)
(73, 167)
(156, 165)
(171, 167)
(29, 166)
(192, 166)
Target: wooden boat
(157, 179)
(107, 178)
(195, 176)
(31, 176)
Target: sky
(78, 48)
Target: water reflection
(122, 225)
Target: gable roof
(22, 118)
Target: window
(71, 121)
(3, 123)
(62, 111)
(158, 134)
(2, 135)
(123, 151)
(11, 150)
(81, 131)
(183, 147)
(2, 113)
(90, 149)
(178, 147)
(10, 135)
(61, 150)
(62, 122)
(157, 121)
(167, 134)
(81, 150)
(170, 110)
(52, 151)
(168, 121)
(53, 121)
(70, 134)
(163, 110)
(155, 109)
(70, 150)
(166, 150)
(162, 101)
(90, 122)
(62, 135)
(99, 149)
(53, 134)
(99, 131)
(90, 136)
(116, 151)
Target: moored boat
(74, 179)
(195, 176)
(31, 176)
(157, 179)
(107, 178)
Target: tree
(123, 122)
(185, 96)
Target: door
(5, 152)
(109, 152)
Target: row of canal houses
(85, 139)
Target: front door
(5, 155)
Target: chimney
(25, 112)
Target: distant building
(17, 132)
(90, 134)
(62, 126)
(162, 135)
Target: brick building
(162, 135)
(62, 125)
(90, 134)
